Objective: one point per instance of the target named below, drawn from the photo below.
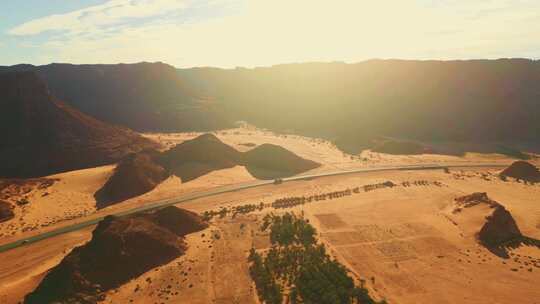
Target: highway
(225, 189)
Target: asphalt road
(224, 189)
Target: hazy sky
(230, 33)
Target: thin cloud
(114, 12)
(230, 33)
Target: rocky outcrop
(199, 156)
(499, 226)
(136, 174)
(120, 250)
(142, 172)
(206, 153)
(271, 161)
(522, 170)
(6, 211)
(474, 199)
(179, 221)
(41, 135)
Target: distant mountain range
(434, 101)
(142, 96)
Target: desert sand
(323, 151)
(399, 239)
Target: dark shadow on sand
(266, 174)
(503, 250)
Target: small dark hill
(270, 161)
(522, 170)
(136, 174)
(140, 173)
(400, 147)
(121, 249)
(41, 135)
(179, 221)
(499, 228)
(206, 153)
(6, 211)
(199, 156)
(499, 231)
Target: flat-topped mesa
(121, 248)
(522, 170)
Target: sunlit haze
(229, 33)
(269, 151)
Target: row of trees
(292, 201)
(224, 211)
(299, 269)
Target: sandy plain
(400, 240)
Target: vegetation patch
(297, 268)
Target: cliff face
(41, 135)
(429, 101)
(120, 249)
(456, 101)
(142, 96)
